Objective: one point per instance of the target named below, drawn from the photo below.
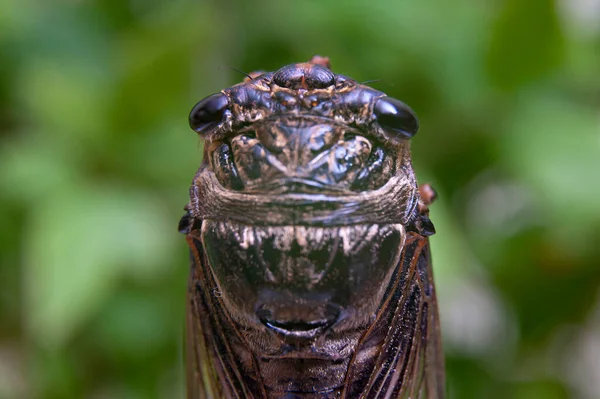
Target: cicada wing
(409, 363)
(201, 373)
(213, 370)
(435, 381)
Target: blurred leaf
(554, 146)
(155, 60)
(78, 244)
(35, 167)
(127, 315)
(67, 100)
(527, 43)
(54, 375)
(540, 389)
(15, 17)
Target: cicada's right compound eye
(395, 117)
(208, 113)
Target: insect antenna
(242, 72)
(385, 82)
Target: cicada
(310, 264)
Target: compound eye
(395, 117)
(208, 112)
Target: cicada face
(298, 222)
(304, 129)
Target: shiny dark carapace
(310, 266)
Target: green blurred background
(96, 158)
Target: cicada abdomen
(311, 273)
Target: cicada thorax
(310, 262)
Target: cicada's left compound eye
(395, 117)
(208, 113)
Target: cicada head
(304, 129)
